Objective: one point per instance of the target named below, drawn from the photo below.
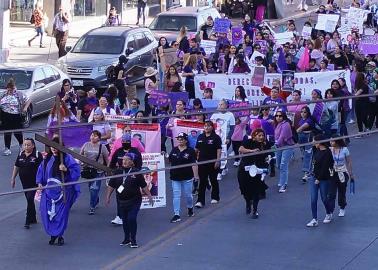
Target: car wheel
(28, 118)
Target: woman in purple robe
(56, 202)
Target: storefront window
(89, 7)
(21, 10)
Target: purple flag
(237, 35)
(281, 62)
(72, 136)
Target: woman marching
(322, 174)
(252, 187)
(26, 167)
(56, 202)
(343, 173)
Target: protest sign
(209, 46)
(168, 57)
(248, 51)
(148, 134)
(224, 85)
(355, 18)
(175, 96)
(222, 25)
(72, 137)
(237, 35)
(155, 180)
(158, 98)
(288, 80)
(282, 38)
(369, 44)
(258, 76)
(344, 31)
(208, 103)
(190, 127)
(263, 45)
(325, 19)
(238, 104)
(306, 31)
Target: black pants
(30, 210)
(147, 107)
(11, 121)
(336, 187)
(189, 87)
(207, 171)
(141, 12)
(362, 110)
(129, 215)
(61, 40)
(373, 115)
(235, 147)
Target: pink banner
(192, 128)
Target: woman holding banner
(188, 73)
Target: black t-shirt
(86, 105)
(207, 30)
(322, 164)
(208, 146)
(131, 185)
(178, 157)
(292, 66)
(28, 167)
(120, 153)
(258, 160)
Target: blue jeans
(129, 214)
(177, 187)
(94, 190)
(323, 186)
(161, 78)
(283, 159)
(306, 151)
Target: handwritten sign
(324, 19)
(282, 38)
(355, 18)
(306, 31)
(222, 25)
(209, 46)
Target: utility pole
(4, 30)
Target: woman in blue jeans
(323, 172)
(283, 137)
(182, 178)
(305, 127)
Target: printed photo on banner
(222, 25)
(155, 180)
(192, 128)
(288, 80)
(258, 76)
(149, 135)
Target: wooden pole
(59, 118)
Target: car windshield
(22, 78)
(100, 45)
(174, 23)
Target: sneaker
(231, 154)
(190, 212)
(7, 152)
(312, 223)
(91, 211)
(305, 177)
(176, 218)
(125, 243)
(351, 121)
(166, 155)
(214, 201)
(198, 205)
(219, 176)
(255, 215)
(195, 192)
(342, 213)
(282, 189)
(134, 245)
(117, 221)
(236, 163)
(359, 135)
(367, 130)
(41, 46)
(224, 171)
(327, 219)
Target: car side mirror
(129, 51)
(39, 85)
(68, 48)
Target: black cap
(182, 135)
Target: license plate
(77, 83)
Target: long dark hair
(340, 142)
(166, 46)
(284, 118)
(63, 83)
(33, 143)
(242, 92)
(360, 81)
(168, 76)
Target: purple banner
(222, 25)
(158, 98)
(175, 96)
(239, 104)
(237, 35)
(71, 136)
(369, 44)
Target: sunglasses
(279, 115)
(266, 109)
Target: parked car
(40, 82)
(99, 48)
(167, 24)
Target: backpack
(110, 73)
(32, 19)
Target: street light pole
(4, 30)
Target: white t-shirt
(106, 111)
(223, 121)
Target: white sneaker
(351, 121)
(327, 219)
(219, 176)
(224, 171)
(231, 154)
(312, 223)
(166, 155)
(236, 163)
(198, 205)
(7, 152)
(214, 201)
(117, 221)
(342, 213)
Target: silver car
(40, 82)
(100, 48)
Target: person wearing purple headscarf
(56, 202)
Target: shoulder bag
(90, 172)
